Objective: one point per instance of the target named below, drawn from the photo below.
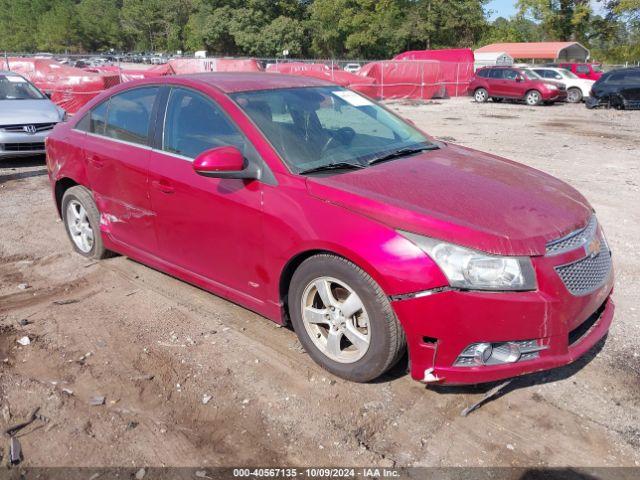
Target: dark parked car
(499, 83)
(618, 89)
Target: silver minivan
(26, 116)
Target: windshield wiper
(403, 152)
(332, 166)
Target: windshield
(14, 87)
(567, 74)
(531, 75)
(320, 126)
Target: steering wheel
(344, 135)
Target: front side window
(582, 69)
(129, 115)
(510, 74)
(194, 124)
(14, 87)
(314, 127)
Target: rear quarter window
(129, 115)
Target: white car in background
(577, 88)
(352, 67)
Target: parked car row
(538, 85)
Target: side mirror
(223, 162)
(48, 95)
(519, 78)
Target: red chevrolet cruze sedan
(310, 204)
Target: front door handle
(163, 185)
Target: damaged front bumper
(440, 326)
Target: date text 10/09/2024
(373, 472)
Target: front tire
(481, 95)
(533, 98)
(82, 223)
(343, 319)
(574, 95)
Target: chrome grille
(587, 274)
(574, 240)
(40, 127)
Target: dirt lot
(154, 346)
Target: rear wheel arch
(61, 186)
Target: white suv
(577, 88)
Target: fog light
(508, 352)
(482, 353)
(499, 353)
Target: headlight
(473, 270)
(551, 86)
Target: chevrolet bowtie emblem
(593, 247)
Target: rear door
(210, 227)
(496, 83)
(117, 156)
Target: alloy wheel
(481, 95)
(574, 95)
(336, 320)
(79, 226)
(533, 98)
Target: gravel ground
(193, 380)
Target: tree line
(311, 28)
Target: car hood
(17, 112)
(462, 196)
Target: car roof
(232, 82)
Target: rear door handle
(163, 185)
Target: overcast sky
(506, 8)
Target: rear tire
(574, 95)
(533, 98)
(331, 297)
(82, 223)
(481, 95)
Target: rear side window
(624, 78)
(194, 124)
(129, 115)
(98, 118)
(497, 73)
(94, 120)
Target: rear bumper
(440, 326)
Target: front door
(208, 226)
(512, 88)
(116, 150)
